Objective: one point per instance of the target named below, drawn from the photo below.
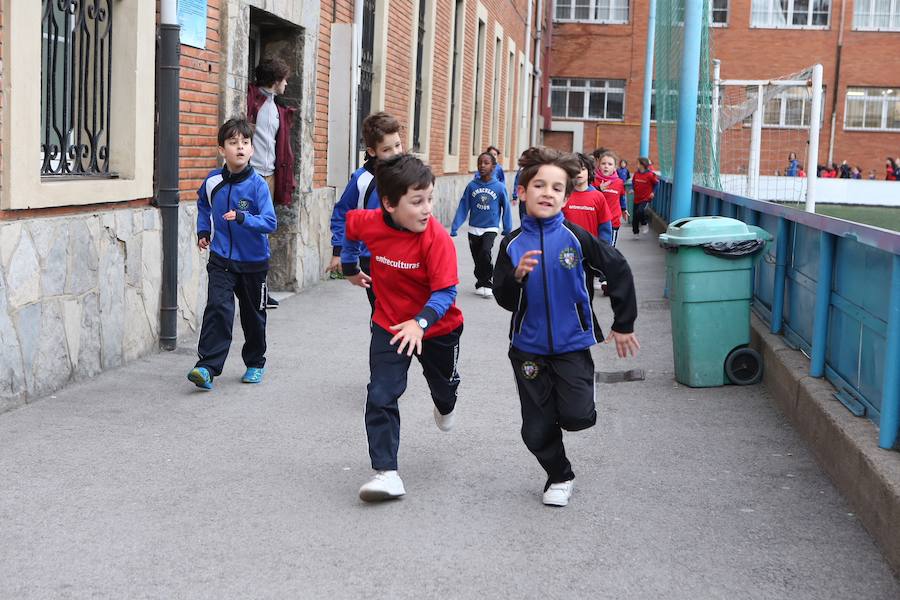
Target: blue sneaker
(253, 375)
(200, 377)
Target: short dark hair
(270, 71)
(537, 156)
(233, 127)
(377, 126)
(493, 158)
(645, 162)
(586, 161)
(494, 148)
(397, 175)
(598, 153)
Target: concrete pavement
(135, 485)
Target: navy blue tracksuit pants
(218, 317)
(556, 392)
(387, 382)
(481, 247)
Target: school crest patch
(530, 370)
(243, 204)
(568, 258)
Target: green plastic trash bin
(709, 265)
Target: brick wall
(199, 112)
(745, 54)
(399, 76)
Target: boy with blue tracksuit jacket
(542, 276)
(234, 217)
(381, 134)
(485, 202)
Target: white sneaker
(487, 292)
(558, 494)
(598, 285)
(479, 291)
(384, 485)
(444, 422)
(645, 229)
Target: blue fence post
(648, 81)
(890, 401)
(823, 303)
(781, 250)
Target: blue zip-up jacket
(551, 307)
(499, 175)
(243, 242)
(484, 202)
(361, 189)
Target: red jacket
(284, 153)
(643, 184)
(614, 194)
(889, 174)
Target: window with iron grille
(592, 11)
(366, 70)
(876, 15)
(453, 138)
(718, 13)
(417, 106)
(478, 111)
(790, 14)
(872, 108)
(589, 99)
(76, 58)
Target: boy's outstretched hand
(410, 335)
(526, 264)
(360, 279)
(626, 343)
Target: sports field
(879, 216)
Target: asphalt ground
(137, 485)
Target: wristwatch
(422, 322)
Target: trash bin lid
(694, 231)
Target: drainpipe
(538, 74)
(834, 91)
(167, 199)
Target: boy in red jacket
(415, 277)
(613, 188)
(644, 183)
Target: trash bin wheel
(744, 366)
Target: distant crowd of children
(385, 241)
(841, 171)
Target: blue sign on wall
(192, 19)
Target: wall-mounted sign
(192, 19)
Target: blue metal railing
(832, 289)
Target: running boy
(381, 134)
(485, 202)
(644, 183)
(234, 214)
(415, 277)
(498, 168)
(613, 188)
(542, 270)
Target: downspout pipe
(167, 195)
(538, 75)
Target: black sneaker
(271, 302)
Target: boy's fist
(526, 264)
(360, 279)
(231, 215)
(203, 243)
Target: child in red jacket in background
(613, 188)
(644, 183)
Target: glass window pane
(772, 114)
(595, 107)
(793, 112)
(558, 103)
(576, 104)
(801, 12)
(854, 116)
(872, 119)
(820, 11)
(563, 9)
(893, 113)
(615, 106)
(583, 9)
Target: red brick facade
(584, 51)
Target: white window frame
(767, 9)
(132, 120)
(594, 7)
(782, 98)
(727, 11)
(427, 70)
(509, 101)
(861, 94)
(572, 85)
(866, 9)
(496, 85)
(453, 140)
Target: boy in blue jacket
(485, 202)
(234, 216)
(543, 270)
(381, 135)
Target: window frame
(866, 100)
(893, 16)
(770, 13)
(593, 7)
(587, 89)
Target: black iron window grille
(76, 69)
(454, 76)
(417, 107)
(366, 70)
